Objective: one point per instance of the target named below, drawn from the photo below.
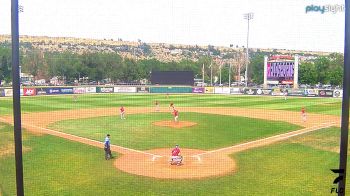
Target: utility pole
(203, 75)
(220, 73)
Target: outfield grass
(211, 132)
(55, 166)
(63, 102)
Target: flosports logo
(325, 8)
(337, 180)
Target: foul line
(281, 136)
(86, 139)
(154, 156)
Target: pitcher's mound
(173, 124)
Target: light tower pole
(247, 16)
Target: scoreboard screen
(283, 72)
(172, 77)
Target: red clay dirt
(173, 124)
(160, 167)
(197, 163)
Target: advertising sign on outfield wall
(266, 91)
(311, 92)
(259, 91)
(79, 90)
(338, 93)
(198, 90)
(29, 91)
(8, 92)
(123, 89)
(222, 90)
(40, 91)
(235, 91)
(142, 89)
(295, 92)
(2, 93)
(52, 91)
(209, 89)
(249, 91)
(277, 92)
(105, 89)
(171, 89)
(325, 93)
(66, 90)
(90, 89)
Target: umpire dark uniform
(107, 148)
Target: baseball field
(232, 145)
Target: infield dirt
(197, 163)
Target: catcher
(176, 158)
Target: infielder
(157, 106)
(122, 113)
(285, 93)
(303, 114)
(75, 98)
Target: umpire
(107, 148)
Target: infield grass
(330, 106)
(55, 166)
(211, 132)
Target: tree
(256, 69)
(5, 73)
(5, 64)
(33, 62)
(322, 65)
(308, 73)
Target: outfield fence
(62, 90)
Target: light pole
(220, 73)
(248, 17)
(229, 76)
(211, 74)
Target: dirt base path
(197, 163)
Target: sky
(281, 24)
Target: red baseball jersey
(176, 113)
(303, 110)
(122, 109)
(175, 152)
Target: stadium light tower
(247, 16)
